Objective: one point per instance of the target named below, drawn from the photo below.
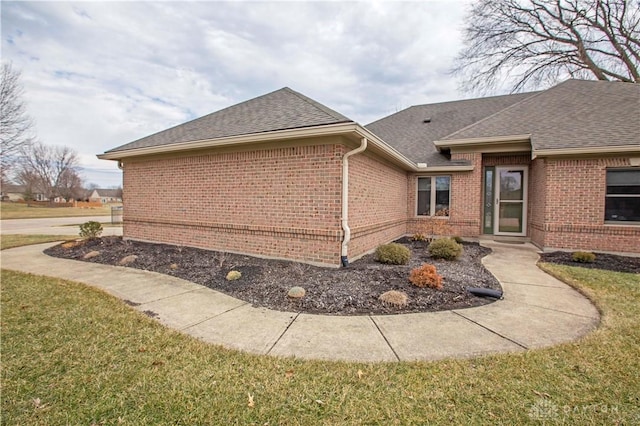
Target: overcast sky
(101, 74)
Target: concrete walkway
(537, 311)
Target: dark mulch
(609, 262)
(345, 291)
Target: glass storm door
(511, 201)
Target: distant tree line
(43, 169)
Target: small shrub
(234, 275)
(445, 248)
(395, 298)
(434, 226)
(426, 276)
(457, 239)
(90, 229)
(583, 256)
(419, 237)
(394, 254)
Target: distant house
(284, 176)
(11, 192)
(106, 196)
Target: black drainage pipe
(485, 292)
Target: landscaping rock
(91, 254)
(296, 292)
(127, 260)
(233, 275)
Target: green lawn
(8, 241)
(22, 211)
(74, 355)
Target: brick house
(283, 176)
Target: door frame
(525, 203)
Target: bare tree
(528, 43)
(54, 168)
(70, 185)
(15, 124)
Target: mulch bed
(606, 261)
(346, 291)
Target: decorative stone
(233, 275)
(173, 266)
(127, 260)
(70, 244)
(296, 292)
(91, 254)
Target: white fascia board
(492, 140)
(326, 130)
(620, 149)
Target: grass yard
(22, 211)
(75, 355)
(8, 241)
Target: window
(433, 195)
(622, 202)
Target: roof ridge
(318, 105)
(528, 98)
(455, 102)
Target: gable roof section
(112, 193)
(574, 115)
(407, 131)
(280, 110)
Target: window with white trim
(622, 201)
(434, 195)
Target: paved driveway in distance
(55, 225)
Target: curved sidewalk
(537, 310)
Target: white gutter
(345, 200)
(490, 140)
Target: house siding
(377, 200)
(276, 202)
(574, 208)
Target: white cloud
(101, 74)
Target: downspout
(345, 201)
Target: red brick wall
(574, 208)
(276, 202)
(466, 197)
(377, 200)
(537, 201)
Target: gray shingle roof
(573, 114)
(114, 193)
(408, 133)
(279, 110)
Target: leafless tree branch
(15, 124)
(523, 44)
(52, 169)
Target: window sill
(621, 223)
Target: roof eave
(347, 128)
(483, 141)
(582, 151)
(323, 130)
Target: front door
(511, 201)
